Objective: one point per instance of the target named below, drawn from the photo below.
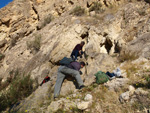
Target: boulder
(140, 91)
(124, 97)
(88, 97)
(131, 90)
(83, 105)
(92, 13)
(117, 83)
(63, 103)
(142, 42)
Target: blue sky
(4, 2)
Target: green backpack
(101, 77)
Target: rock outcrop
(36, 34)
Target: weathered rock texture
(122, 25)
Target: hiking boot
(119, 76)
(82, 86)
(55, 98)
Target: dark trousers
(75, 53)
(110, 74)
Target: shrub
(20, 88)
(78, 11)
(35, 44)
(4, 85)
(128, 56)
(144, 83)
(46, 21)
(97, 7)
(142, 12)
(76, 110)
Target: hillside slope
(36, 35)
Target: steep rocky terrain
(36, 34)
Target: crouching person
(72, 69)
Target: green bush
(97, 7)
(78, 11)
(20, 88)
(4, 85)
(35, 44)
(144, 84)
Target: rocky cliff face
(36, 34)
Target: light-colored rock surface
(142, 42)
(83, 105)
(55, 105)
(140, 91)
(117, 83)
(124, 25)
(131, 90)
(124, 97)
(88, 97)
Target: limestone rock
(116, 83)
(55, 105)
(68, 87)
(142, 42)
(92, 13)
(3, 36)
(124, 97)
(131, 90)
(89, 80)
(140, 60)
(88, 97)
(83, 105)
(140, 91)
(105, 35)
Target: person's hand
(80, 72)
(80, 52)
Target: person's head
(82, 43)
(82, 64)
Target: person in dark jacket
(77, 51)
(73, 69)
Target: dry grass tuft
(47, 20)
(97, 7)
(128, 56)
(78, 11)
(34, 45)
